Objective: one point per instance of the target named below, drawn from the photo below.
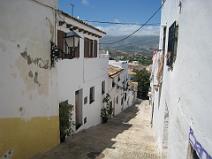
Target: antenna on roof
(72, 8)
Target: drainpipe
(83, 71)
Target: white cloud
(84, 2)
(116, 20)
(119, 30)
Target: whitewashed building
(181, 80)
(29, 122)
(82, 70)
(118, 86)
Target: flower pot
(62, 138)
(104, 119)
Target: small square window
(85, 120)
(113, 84)
(117, 100)
(85, 100)
(119, 78)
(92, 94)
(103, 87)
(122, 100)
(125, 96)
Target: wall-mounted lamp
(72, 39)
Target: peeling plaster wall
(186, 89)
(28, 84)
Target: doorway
(78, 108)
(192, 154)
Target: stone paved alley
(127, 136)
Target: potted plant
(107, 110)
(104, 115)
(65, 117)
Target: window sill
(90, 57)
(92, 101)
(69, 58)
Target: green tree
(142, 77)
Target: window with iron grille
(65, 51)
(90, 48)
(172, 44)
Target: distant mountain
(143, 44)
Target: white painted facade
(186, 90)
(83, 73)
(28, 84)
(118, 92)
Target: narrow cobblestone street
(127, 136)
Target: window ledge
(92, 101)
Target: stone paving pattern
(127, 136)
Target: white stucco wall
(70, 79)
(83, 73)
(186, 89)
(114, 94)
(120, 93)
(28, 84)
(122, 64)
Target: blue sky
(117, 11)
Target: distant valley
(139, 44)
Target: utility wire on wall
(145, 24)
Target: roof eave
(101, 33)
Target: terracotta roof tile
(113, 71)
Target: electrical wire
(128, 36)
(119, 23)
(147, 21)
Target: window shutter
(95, 48)
(60, 39)
(85, 47)
(91, 49)
(77, 49)
(86, 51)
